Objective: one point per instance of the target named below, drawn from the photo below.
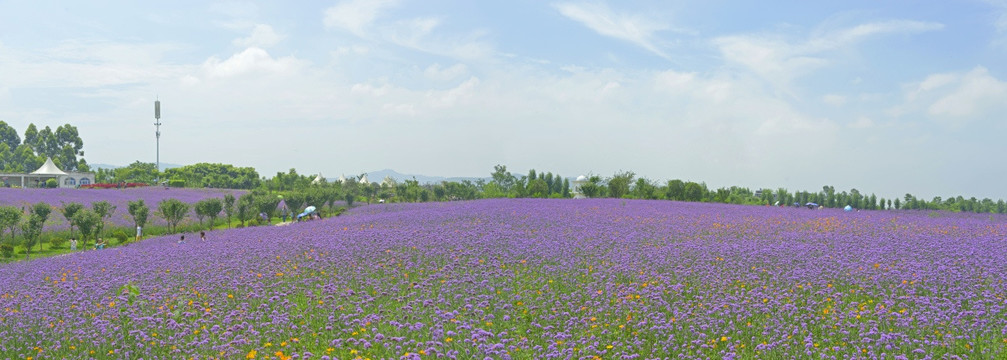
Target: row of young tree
(63, 145)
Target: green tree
(9, 136)
(618, 184)
(676, 190)
(538, 188)
(593, 187)
(229, 208)
(644, 189)
(10, 216)
(139, 211)
(295, 202)
(693, 192)
(88, 222)
(266, 204)
(69, 210)
(208, 208)
(31, 230)
(41, 212)
(213, 208)
(104, 209)
(503, 178)
(246, 207)
(173, 212)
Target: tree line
(505, 184)
(63, 145)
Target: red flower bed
(112, 186)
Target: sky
(888, 97)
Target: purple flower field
(531, 279)
(119, 198)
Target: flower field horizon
(120, 198)
(530, 279)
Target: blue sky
(886, 97)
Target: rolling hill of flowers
(530, 279)
(119, 198)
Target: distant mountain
(109, 167)
(378, 176)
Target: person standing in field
(202, 235)
(181, 240)
(73, 244)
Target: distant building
(47, 171)
(576, 184)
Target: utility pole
(157, 126)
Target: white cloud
(862, 122)
(262, 36)
(436, 72)
(252, 59)
(633, 28)
(976, 93)
(955, 97)
(834, 100)
(356, 16)
(779, 61)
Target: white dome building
(576, 184)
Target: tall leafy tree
(69, 210)
(10, 216)
(139, 211)
(104, 209)
(618, 184)
(229, 208)
(31, 230)
(9, 136)
(173, 212)
(88, 222)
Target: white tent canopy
(48, 169)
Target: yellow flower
(251, 354)
(723, 338)
(448, 340)
(608, 347)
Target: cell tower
(157, 126)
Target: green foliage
(176, 183)
(31, 229)
(104, 209)
(538, 188)
(137, 172)
(618, 184)
(68, 211)
(139, 211)
(173, 212)
(246, 207)
(89, 223)
(212, 208)
(294, 201)
(267, 204)
(9, 218)
(42, 210)
(229, 207)
(51, 183)
(215, 176)
(6, 250)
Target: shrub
(51, 183)
(6, 250)
(57, 242)
(120, 236)
(176, 182)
